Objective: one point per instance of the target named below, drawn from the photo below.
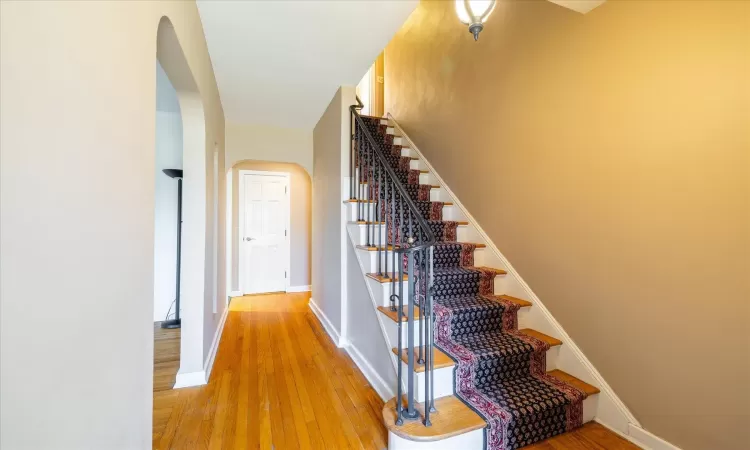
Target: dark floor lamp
(175, 323)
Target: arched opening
(193, 244)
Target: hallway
(277, 382)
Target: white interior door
(263, 240)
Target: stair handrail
(417, 279)
(430, 241)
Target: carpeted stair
(500, 373)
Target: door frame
(241, 225)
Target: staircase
(469, 376)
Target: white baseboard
(298, 288)
(647, 440)
(381, 387)
(209, 364)
(235, 294)
(201, 377)
(189, 379)
(327, 325)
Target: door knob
(249, 239)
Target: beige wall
(300, 220)
(77, 113)
(608, 157)
(267, 143)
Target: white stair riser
(443, 379)
(391, 329)
(382, 291)
(473, 440)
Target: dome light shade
(474, 13)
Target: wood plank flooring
(278, 382)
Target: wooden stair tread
(393, 315)
(372, 248)
(575, 382)
(354, 200)
(452, 418)
(518, 301)
(364, 222)
(497, 271)
(386, 277)
(553, 342)
(441, 359)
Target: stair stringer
(610, 410)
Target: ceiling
(280, 62)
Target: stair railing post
(400, 321)
(411, 410)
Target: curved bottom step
(452, 419)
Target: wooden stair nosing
(373, 248)
(393, 315)
(387, 277)
(457, 418)
(553, 342)
(364, 222)
(441, 359)
(587, 389)
(452, 418)
(354, 200)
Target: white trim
(209, 364)
(241, 223)
(235, 294)
(378, 383)
(327, 325)
(647, 440)
(603, 386)
(189, 379)
(298, 288)
(201, 377)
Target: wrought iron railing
(403, 244)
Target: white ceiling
(280, 62)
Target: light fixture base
(475, 29)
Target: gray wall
(329, 241)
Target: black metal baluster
(411, 411)
(431, 327)
(385, 219)
(360, 187)
(399, 316)
(420, 303)
(379, 227)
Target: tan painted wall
(608, 157)
(77, 114)
(300, 220)
(266, 143)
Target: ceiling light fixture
(474, 13)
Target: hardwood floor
(278, 382)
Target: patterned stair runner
(500, 372)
